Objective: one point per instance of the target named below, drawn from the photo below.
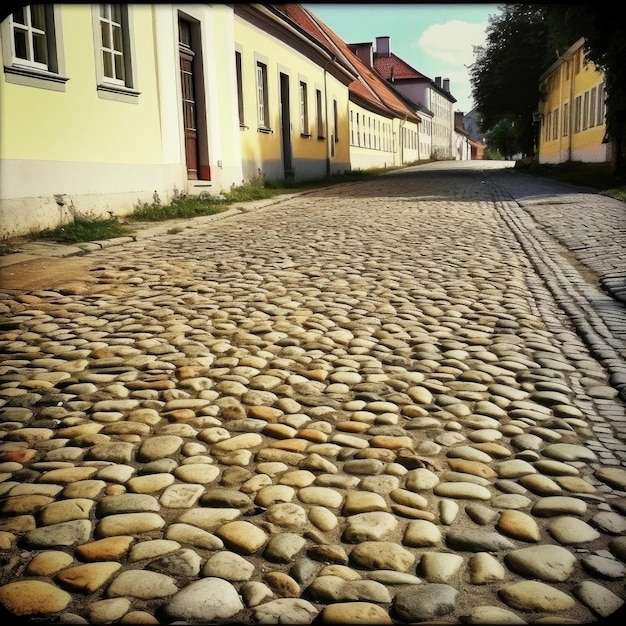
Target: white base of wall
(366, 159)
(303, 169)
(36, 195)
(595, 154)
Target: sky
(435, 39)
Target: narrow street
(394, 401)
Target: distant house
(462, 144)
(572, 111)
(433, 95)
(477, 149)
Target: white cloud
(452, 42)
(450, 46)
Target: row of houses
(110, 105)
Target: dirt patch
(69, 274)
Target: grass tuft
(84, 229)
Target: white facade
(463, 150)
(373, 139)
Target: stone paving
(369, 404)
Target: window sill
(243, 127)
(265, 130)
(306, 135)
(118, 92)
(32, 77)
(321, 138)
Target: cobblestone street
(395, 401)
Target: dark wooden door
(285, 123)
(190, 121)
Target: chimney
(364, 52)
(438, 81)
(383, 46)
(446, 84)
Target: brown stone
(476, 468)
(108, 549)
(518, 525)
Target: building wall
(443, 129)
(442, 121)
(68, 141)
(425, 136)
(573, 111)
(318, 138)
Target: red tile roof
(370, 86)
(393, 67)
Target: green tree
(505, 74)
(504, 138)
(605, 46)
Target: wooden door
(190, 121)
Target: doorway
(285, 126)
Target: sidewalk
(28, 250)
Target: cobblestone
(395, 401)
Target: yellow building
(572, 111)
(104, 106)
(292, 98)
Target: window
(304, 109)
(566, 119)
(577, 113)
(555, 124)
(30, 43)
(261, 90)
(239, 73)
(352, 127)
(358, 131)
(32, 48)
(548, 126)
(112, 43)
(318, 112)
(592, 108)
(114, 59)
(601, 109)
(335, 121)
(585, 110)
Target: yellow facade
(573, 111)
(37, 128)
(293, 108)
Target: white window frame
(555, 124)
(578, 109)
(601, 109)
(113, 87)
(319, 113)
(49, 75)
(304, 108)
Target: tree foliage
(505, 75)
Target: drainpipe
(328, 138)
